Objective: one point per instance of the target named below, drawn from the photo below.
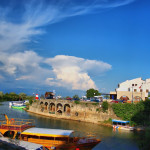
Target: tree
(92, 92)
(13, 96)
(1, 93)
(22, 96)
(76, 97)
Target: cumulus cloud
(21, 62)
(64, 71)
(73, 72)
(24, 66)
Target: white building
(135, 89)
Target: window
(147, 90)
(132, 84)
(129, 89)
(141, 90)
(135, 90)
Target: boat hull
(18, 107)
(66, 146)
(123, 128)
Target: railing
(17, 124)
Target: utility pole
(132, 93)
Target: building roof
(47, 132)
(49, 93)
(120, 121)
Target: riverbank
(62, 109)
(106, 123)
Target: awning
(47, 132)
(120, 121)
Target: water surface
(111, 140)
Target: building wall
(130, 86)
(129, 94)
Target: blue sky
(71, 45)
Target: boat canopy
(47, 132)
(120, 121)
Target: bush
(137, 114)
(30, 101)
(105, 106)
(77, 102)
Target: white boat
(17, 104)
(121, 125)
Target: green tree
(13, 96)
(76, 97)
(92, 92)
(22, 96)
(1, 93)
(1, 96)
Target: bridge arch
(41, 103)
(46, 105)
(41, 106)
(52, 107)
(67, 109)
(59, 108)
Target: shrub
(105, 106)
(137, 114)
(30, 101)
(77, 102)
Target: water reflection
(111, 140)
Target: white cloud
(21, 62)
(24, 78)
(68, 71)
(41, 13)
(64, 71)
(72, 72)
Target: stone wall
(88, 112)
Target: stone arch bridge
(55, 106)
(65, 109)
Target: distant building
(135, 89)
(49, 95)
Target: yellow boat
(25, 130)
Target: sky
(70, 46)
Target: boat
(25, 130)
(17, 104)
(122, 125)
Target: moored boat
(17, 104)
(122, 125)
(50, 138)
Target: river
(111, 140)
